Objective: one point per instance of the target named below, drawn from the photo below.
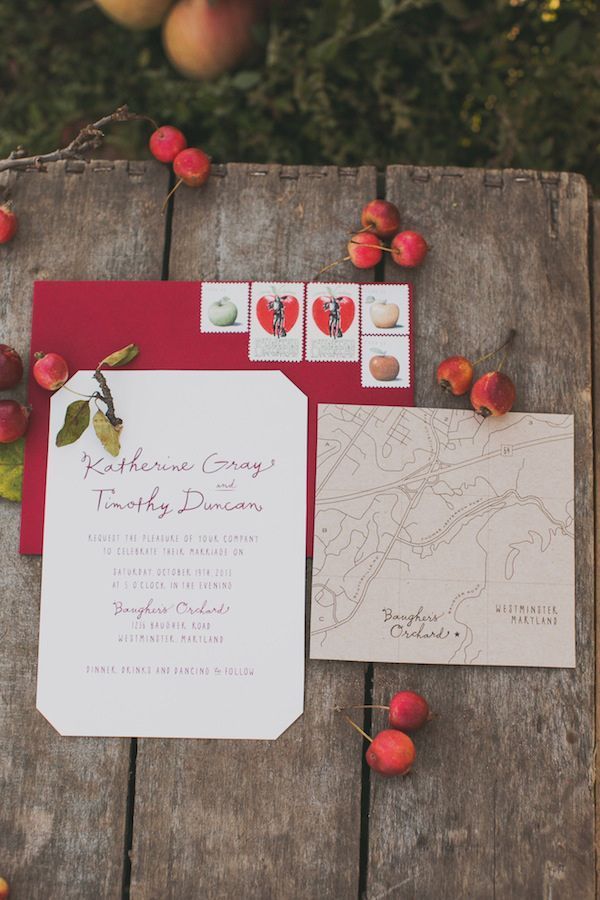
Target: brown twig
(107, 397)
(89, 138)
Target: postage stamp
(276, 321)
(385, 308)
(385, 361)
(332, 312)
(224, 306)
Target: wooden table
(502, 802)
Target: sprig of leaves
(106, 424)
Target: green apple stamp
(223, 312)
(224, 307)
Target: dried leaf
(107, 434)
(121, 357)
(77, 419)
(11, 470)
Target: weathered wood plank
(62, 814)
(501, 801)
(595, 231)
(258, 820)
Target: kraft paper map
(442, 537)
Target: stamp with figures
(332, 314)
(276, 321)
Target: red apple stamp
(332, 322)
(276, 321)
(224, 306)
(385, 308)
(386, 361)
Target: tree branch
(89, 138)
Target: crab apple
(455, 374)
(4, 889)
(493, 394)
(166, 142)
(14, 419)
(364, 250)
(391, 753)
(381, 217)
(50, 370)
(408, 711)
(409, 249)
(8, 223)
(136, 14)
(11, 367)
(204, 39)
(192, 166)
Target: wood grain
(63, 806)
(501, 802)
(270, 819)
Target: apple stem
(362, 230)
(331, 265)
(364, 706)
(373, 247)
(170, 194)
(77, 394)
(506, 343)
(358, 728)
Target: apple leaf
(107, 434)
(77, 419)
(121, 357)
(11, 470)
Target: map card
(442, 537)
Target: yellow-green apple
(223, 312)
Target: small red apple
(455, 374)
(493, 394)
(391, 753)
(409, 249)
(327, 310)
(192, 166)
(14, 419)
(4, 889)
(8, 223)
(11, 367)
(363, 250)
(383, 367)
(278, 313)
(381, 217)
(408, 711)
(166, 142)
(50, 370)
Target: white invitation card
(173, 573)
(442, 537)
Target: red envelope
(84, 321)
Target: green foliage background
(504, 83)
